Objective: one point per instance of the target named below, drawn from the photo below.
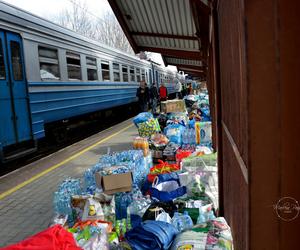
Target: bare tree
(109, 31)
(77, 19)
(106, 29)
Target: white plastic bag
(92, 210)
(164, 216)
(98, 241)
(167, 186)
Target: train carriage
(49, 73)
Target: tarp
(55, 237)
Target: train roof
(24, 21)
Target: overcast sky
(48, 8)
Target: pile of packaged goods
(163, 194)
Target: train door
(15, 118)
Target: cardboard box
(173, 106)
(114, 183)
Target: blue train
(49, 74)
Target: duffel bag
(167, 187)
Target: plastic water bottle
(188, 139)
(183, 137)
(192, 136)
(186, 136)
(177, 222)
(188, 223)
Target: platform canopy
(178, 29)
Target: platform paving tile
(29, 210)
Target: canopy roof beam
(164, 35)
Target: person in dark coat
(154, 97)
(142, 94)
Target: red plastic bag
(55, 237)
(161, 168)
(180, 154)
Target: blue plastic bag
(174, 133)
(142, 117)
(205, 114)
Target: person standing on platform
(163, 93)
(154, 97)
(184, 90)
(178, 89)
(142, 94)
(189, 89)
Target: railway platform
(26, 195)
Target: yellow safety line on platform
(35, 177)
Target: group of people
(150, 96)
(153, 96)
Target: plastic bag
(195, 188)
(163, 216)
(177, 118)
(205, 214)
(161, 168)
(108, 206)
(148, 128)
(142, 117)
(190, 240)
(78, 203)
(170, 150)
(92, 210)
(167, 187)
(181, 154)
(98, 241)
(174, 132)
(159, 140)
(91, 234)
(200, 162)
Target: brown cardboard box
(114, 183)
(173, 106)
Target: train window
(74, 66)
(16, 60)
(143, 75)
(116, 70)
(91, 65)
(2, 66)
(47, 52)
(138, 75)
(105, 70)
(125, 73)
(49, 68)
(91, 61)
(132, 74)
